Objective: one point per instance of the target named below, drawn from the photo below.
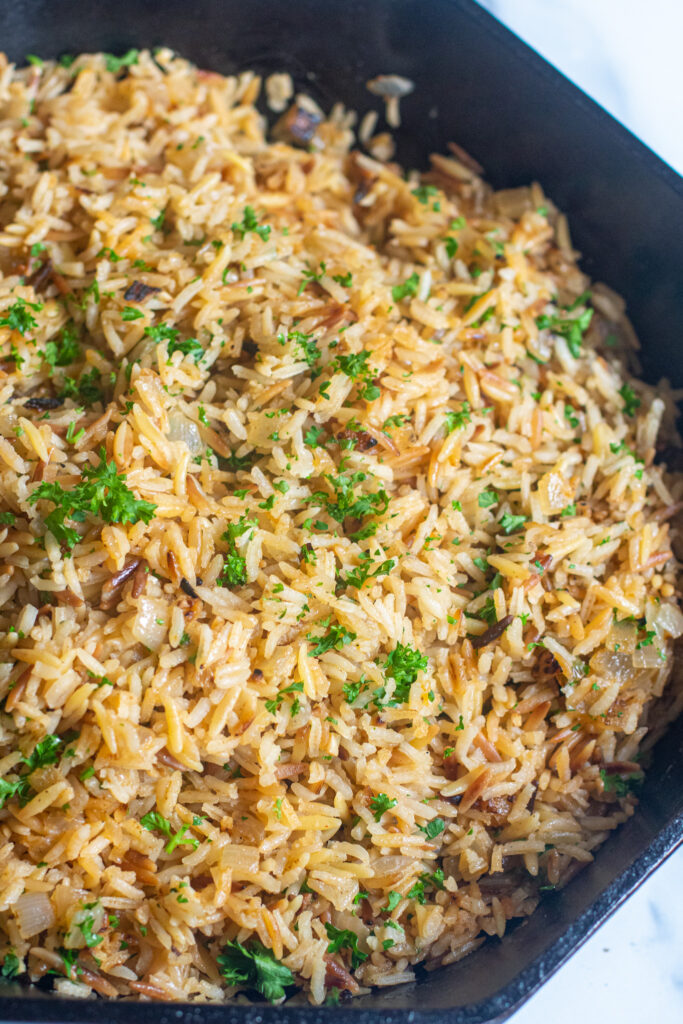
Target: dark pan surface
(475, 84)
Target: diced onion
(648, 657)
(612, 666)
(666, 619)
(182, 429)
(34, 913)
(74, 938)
(150, 625)
(393, 864)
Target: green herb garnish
(234, 571)
(343, 938)
(631, 401)
(249, 223)
(510, 524)
(102, 492)
(433, 828)
(572, 329)
(458, 419)
(409, 287)
(116, 64)
(255, 967)
(336, 638)
(155, 822)
(19, 318)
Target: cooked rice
(471, 732)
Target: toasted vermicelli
(336, 584)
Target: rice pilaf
(336, 580)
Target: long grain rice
(401, 721)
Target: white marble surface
(630, 971)
(627, 55)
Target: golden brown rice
(380, 662)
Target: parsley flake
(102, 492)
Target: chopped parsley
(336, 638)
(571, 417)
(418, 890)
(307, 346)
(309, 276)
(433, 828)
(19, 318)
(64, 349)
(158, 221)
(130, 313)
(510, 524)
(44, 754)
(233, 463)
(649, 635)
(357, 577)
(255, 967)
(621, 448)
(409, 287)
(312, 437)
(188, 347)
(572, 329)
(458, 419)
(352, 691)
(380, 804)
(164, 332)
(70, 961)
(109, 254)
(617, 784)
(273, 705)
(18, 788)
(423, 192)
(10, 966)
(488, 498)
(347, 503)
(451, 246)
(86, 390)
(356, 368)
(90, 937)
(116, 64)
(155, 822)
(393, 901)
(234, 571)
(402, 665)
(101, 492)
(344, 938)
(249, 223)
(631, 400)
(487, 612)
(73, 436)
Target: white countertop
(626, 54)
(631, 970)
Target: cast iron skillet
(478, 85)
